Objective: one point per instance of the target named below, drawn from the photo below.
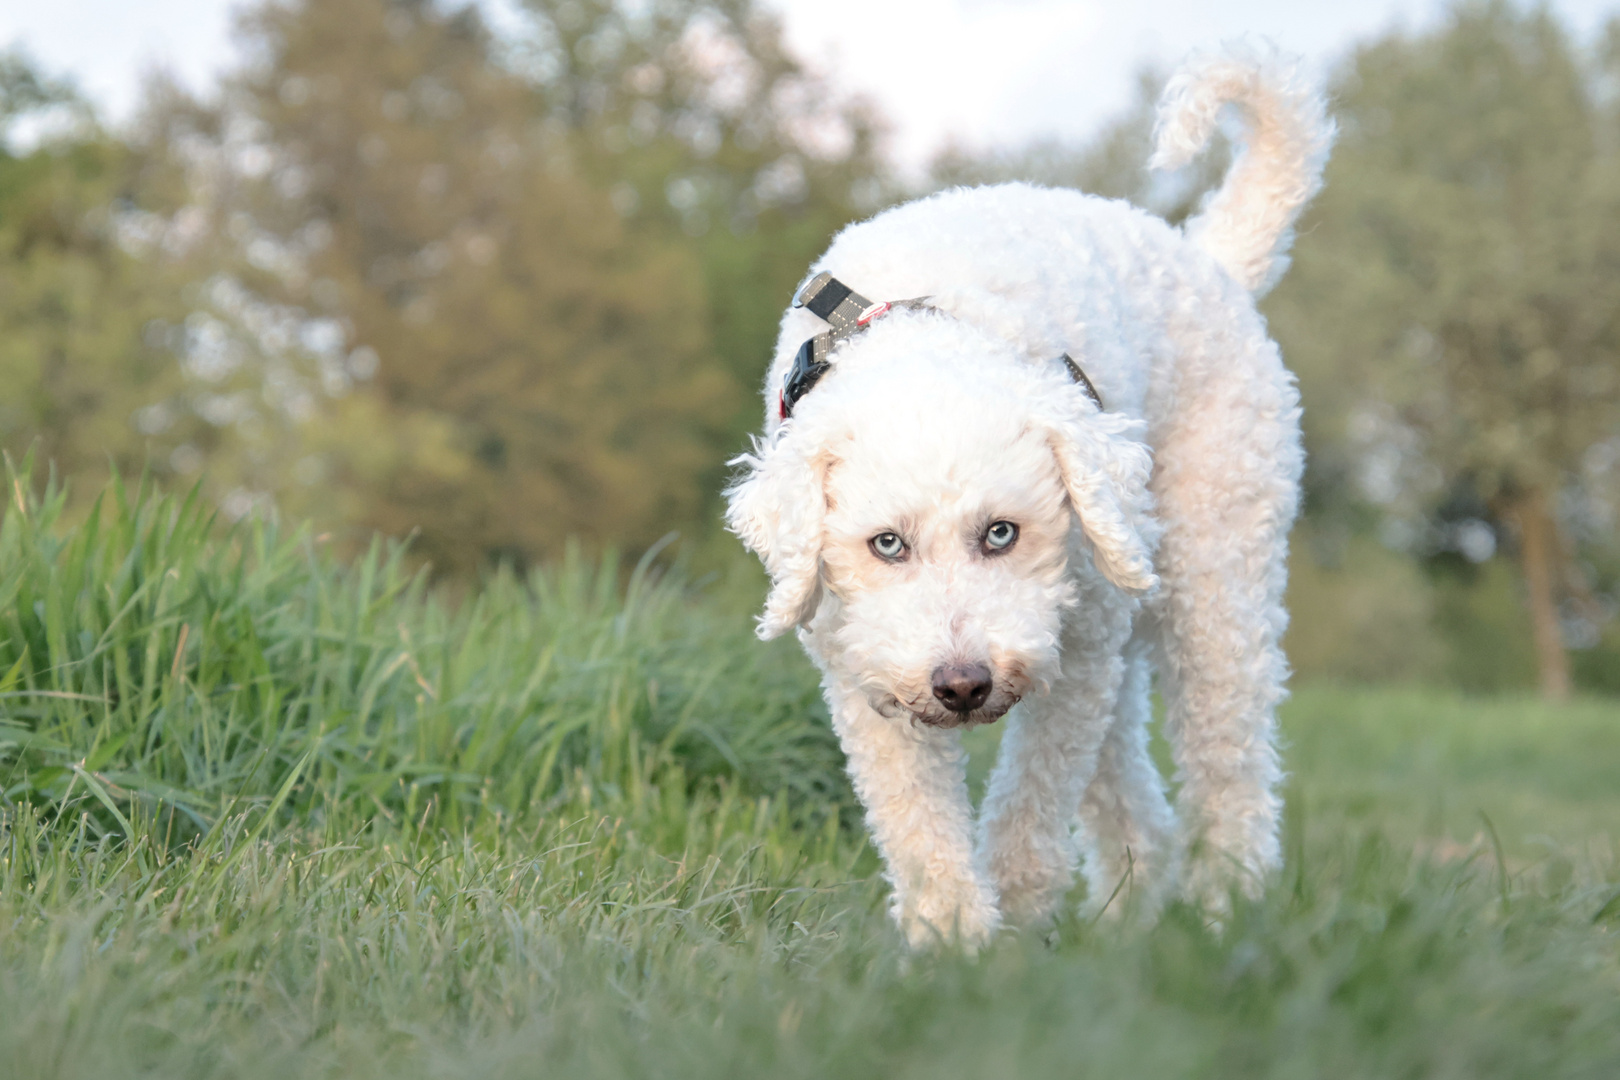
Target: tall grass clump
(155, 663)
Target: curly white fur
(1248, 223)
(1150, 536)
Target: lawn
(269, 815)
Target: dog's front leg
(912, 780)
(1048, 757)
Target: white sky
(982, 72)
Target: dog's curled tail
(1247, 224)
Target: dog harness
(848, 312)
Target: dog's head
(934, 489)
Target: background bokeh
(503, 278)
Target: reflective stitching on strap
(1080, 377)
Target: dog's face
(936, 493)
(946, 558)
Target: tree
(1456, 313)
(82, 374)
(432, 321)
(498, 292)
(701, 124)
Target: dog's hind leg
(1127, 829)
(1047, 758)
(912, 779)
(1227, 487)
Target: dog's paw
(934, 922)
(1212, 879)
(1033, 904)
(1129, 888)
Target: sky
(981, 73)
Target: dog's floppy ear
(777, 507)
(1105, 468)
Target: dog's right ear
(777, 507)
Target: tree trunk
(1538, 559)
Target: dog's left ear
(777, 507)
(1105, 468)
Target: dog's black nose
(962, 687)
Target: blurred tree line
(1467, 372)
(404, 273)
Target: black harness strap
(848, 312)
(825, 294)
(1080, 377)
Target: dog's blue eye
(888, 546)
(1000, 536)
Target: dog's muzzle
(960, 695)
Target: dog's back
(1057, 270)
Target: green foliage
(24, 89)
(427, 319)
(1480, 614)
(705, 127)
(1466, 239)
(76, 366)
(498, 293)
(1598, 668)
(1360, 613)
(1452, 310)
(171, 674)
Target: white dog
(1070, 458)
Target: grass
(265, 815)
